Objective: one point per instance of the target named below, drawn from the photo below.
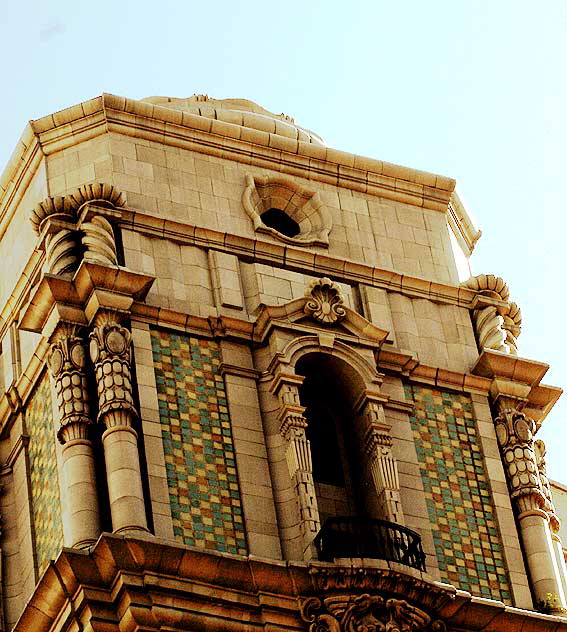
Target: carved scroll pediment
(324, 305)
(366, 613)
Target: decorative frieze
(349, 613)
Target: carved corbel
(348, 613)
(497, 321)
(65, 243)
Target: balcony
(364, 537)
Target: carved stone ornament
(324, 302)
(497, 327)
(540, 452)
(303, 206)
(67, 359)
(67, 207)
(515, 434)
(110, 353)
(366, 613)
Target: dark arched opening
(326, 394)
(280, 221)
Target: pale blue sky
(472, 89)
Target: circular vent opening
(280, 221)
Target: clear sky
(472, 89)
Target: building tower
(248, 383)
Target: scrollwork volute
(98, 241)
(67, 360)
(69, 239)
(366, 613)
(497, 327)
(324, 302)
(110, 353)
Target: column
(67, 360)
(515, 433)
(110, 351)
(298, 456)
(381, 466)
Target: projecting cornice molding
(518, 379)
(206, 135)
(253, 592)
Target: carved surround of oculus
(302, 205)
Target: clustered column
(515, 433)
(298, 455)
(110, 351)
(67, 361)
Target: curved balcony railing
(365, 537)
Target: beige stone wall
(206, 191)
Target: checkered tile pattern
(197, 440)
(457, 493)
(46, 504)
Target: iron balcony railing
(365, 537)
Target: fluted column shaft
(67, 360)
(110, 353)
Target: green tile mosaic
(457, 492)
(197, 440)
(46, 503)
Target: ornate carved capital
(110, 353)
(366, 613)
(67, 362)
(325, 303)
(515, 433)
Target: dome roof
(239, 112)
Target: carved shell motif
(324, 302)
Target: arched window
(328, 397)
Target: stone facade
(249, 381)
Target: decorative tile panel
(457, 492)
(46, 503)
(201, 470)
